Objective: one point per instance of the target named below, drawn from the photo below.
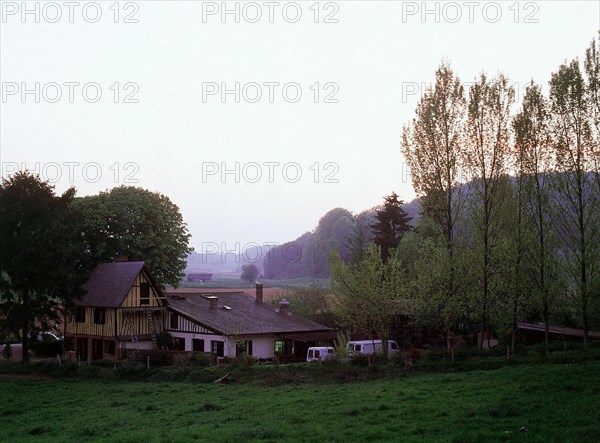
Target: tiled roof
(246, 316)
(109, 284)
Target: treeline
(340, 230)
(510, 202)
(521, 241)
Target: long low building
(232, 323)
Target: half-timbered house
(123, 308)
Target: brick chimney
(284, 307)
(259, 292)
(120, 258)
(213, 299)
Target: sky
(255, 118)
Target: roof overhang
(308, 336)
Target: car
(371, 347)
(319, 353)
(43, 336)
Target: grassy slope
(236, 283)
(556, 402)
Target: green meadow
(526, 403)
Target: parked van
(371, 347)
(319, 353)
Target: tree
(41, 260)
(140, 224)
(368, 297)
(534, 156)
(488, 130)
(434, 149)
(392, 222)
(577, 199)
(249, 272)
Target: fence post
(148, 362)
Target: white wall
(263, 346)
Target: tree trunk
(25, 342)
(546, 329)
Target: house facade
(123, 308)
(228, 324)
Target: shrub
(359, 360)
(200, 359)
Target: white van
(371, 347)
(319, 353)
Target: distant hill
(306, 256)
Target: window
(394, 345)
(174, 321)
(197, 345)
(278, 346)
(80, 314)
(243, 347)
(217, 348)
(99, 316)
(144, 293)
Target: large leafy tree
(41, 266)
(140, 224)
(368, 296)
(391, 223)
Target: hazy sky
(316, 95)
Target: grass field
(234, 282)
(555, 402)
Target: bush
(359, 360)
(200, 359)
(48, 348)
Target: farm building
(199, 277)
(123, 308)
(232, 323)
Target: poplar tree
(487, 151)
(433, 146)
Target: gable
(111, 283)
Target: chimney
(120, 258)
(213, 299)
(259, 292)
(284, 307)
